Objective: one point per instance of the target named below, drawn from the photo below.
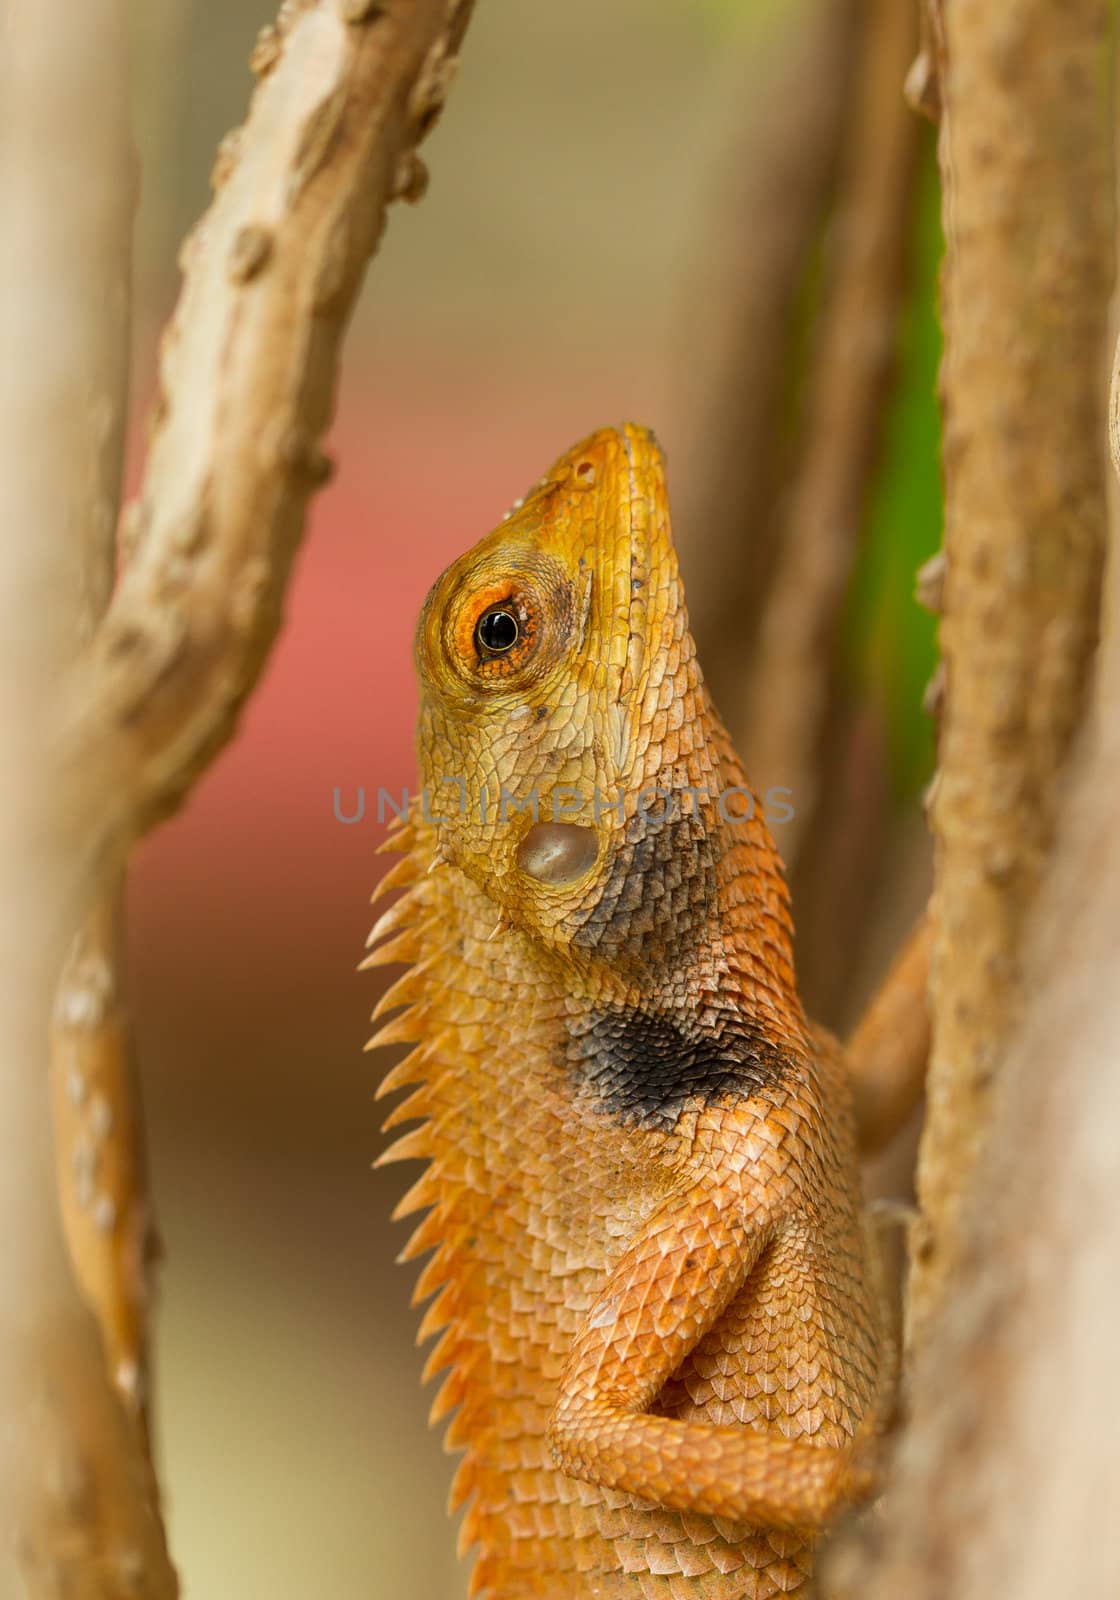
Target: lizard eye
(497, 624)
(496, 632)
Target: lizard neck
(695, 890)
(676, 977)
(687, 991)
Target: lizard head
(567, 747)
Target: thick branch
(97, 1129)
(248, 374)
(1008, 1480)
(247, 379)
(1025, 157)
(77, 1502)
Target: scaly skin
(651, 1276)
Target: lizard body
(642, 1185)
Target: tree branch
(97, 1128)
(889, 1048)
(794, 661)
(1008, 1479)
(247, 381)
(78, 1509)
(99, 1145)
(737, 370)
(1025, 156)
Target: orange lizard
(650, 1274)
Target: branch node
(251, 249)
(224, 162)
(410, 180)
(267, 51)
(929, 584)
(922, 91)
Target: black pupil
(497, 631)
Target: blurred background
(617, 186)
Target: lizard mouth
(611, 490)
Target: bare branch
(740, 329)
(1008, 1480)
(794, 662)
(890, 1046)
(98, 1136)
(99, 1145)
(77, 1501)
(248, 373)
(1025, 155)
(841, 867)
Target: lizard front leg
(693, 1257)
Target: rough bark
(1008, 1478)
(1025, 157)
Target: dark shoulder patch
(643, 1065)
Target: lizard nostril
(557, 852)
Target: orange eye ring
(497, 629)
(498, 635)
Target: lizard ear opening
(557, 852)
